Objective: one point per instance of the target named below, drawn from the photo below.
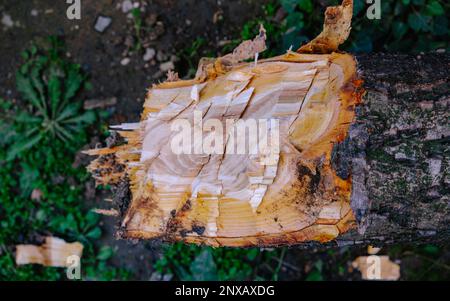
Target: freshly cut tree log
(318, 184)
(232, 199)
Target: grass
(137, 24)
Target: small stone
(149, 54)
(127, 5)
(7, 21)
(426, 105)
(151, 19)
(434, 167)
(426, 232)
(102, 23)
(125, 61)
(129, 41)
(34, 12)
(159, 277)
(164, 67)
(400, 156)
(161, 56)
(441, 50)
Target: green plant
(406, 26)
(190, 262)
(137, 24)
(49, 86)
(191, 55)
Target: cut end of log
(231, 199)
(278, 192)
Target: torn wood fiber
(230, 199)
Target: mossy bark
(397, 151)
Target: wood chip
(99, 103)
(107, 212)
(336, 29)
(54, 252)
(377, 268)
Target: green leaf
(358, 6)
(252, 253)
(7, 133)
(314, 275)
(86, 118)
(416, 22)
(73, 82)
(22, 146)
(69, 223)
(28, 179)
(95, 233)
(25, 55)
(105, 253)
(203, 268)
(306, 5)
(295, 20)
(33, 49)
(289, 5)
(25, 87)
(63, 134)
(68, 111)
(431, 249)
(54, 91)
(91, 220)
(25, 117)
(440, 27)
(35, 76)
(399, 29)
(434, 8)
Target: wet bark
(397, 151)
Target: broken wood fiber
(228, 199)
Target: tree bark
(397, 151)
